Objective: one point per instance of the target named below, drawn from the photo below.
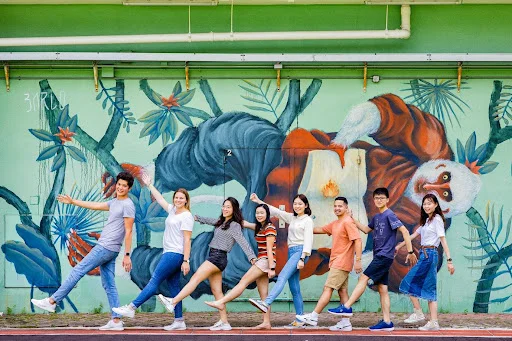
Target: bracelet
(410, 252)
(302, 259)
(449, 260)
(273, 269)
(127, 254)
(358, 259)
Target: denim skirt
(421, 280)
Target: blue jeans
(291, 274)
(106, 260)
(168, 267)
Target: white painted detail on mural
(363, 119)
(458, 192)
(403, 33)
(323, 168)
(36, 101)
(207, 199)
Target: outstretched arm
(319, 230)
(361, 227)
(91, 205)
(274, 211)
(411, 257)
(146, 179)
(248, 225)
(414, 235)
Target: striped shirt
(225, 239)
(261, 240)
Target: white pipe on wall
(402, 33)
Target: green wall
(450, 28)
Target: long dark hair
(236, 217)
(303, 198)
(267, 221)
(438, 210)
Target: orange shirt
(344, 232)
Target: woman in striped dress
(265, 267)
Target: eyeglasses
(379, 198)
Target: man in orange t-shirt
(345, 242)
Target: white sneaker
(111, 325)
(342, 326)
(44, 304)
(167, 302)
(176, 325)
(308, 319)
(261, 305)
(431, 325)
(125, 310)
(221, 326)
(415, 317)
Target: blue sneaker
(382, 327)
(341, 311)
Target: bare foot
(216, 305)
(263, 326)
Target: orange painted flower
(65, 135)
(472, 166)
(170, 102)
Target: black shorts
(218, 258)
(378, 270)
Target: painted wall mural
(312, 136)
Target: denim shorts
(378, 270)
(218, 258)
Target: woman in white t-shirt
(176, 255)
(421, 280)
(300, 243)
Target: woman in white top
(176, 255)
(300, 243)
(421, 280)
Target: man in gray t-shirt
(114, 231)
(119, 226)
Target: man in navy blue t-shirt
(384, 226)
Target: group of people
(346, 252)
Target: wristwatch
(273, 269)
(410, 252)
(187, 261)
(127, 254)
(302, 259)
(449, 260)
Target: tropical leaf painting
(261, 97)
(437, 98)
(490, 245)
(164, 120)
(148, 214)
(470, 155)
(116, 104)
(81, 220)
(503, 111)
